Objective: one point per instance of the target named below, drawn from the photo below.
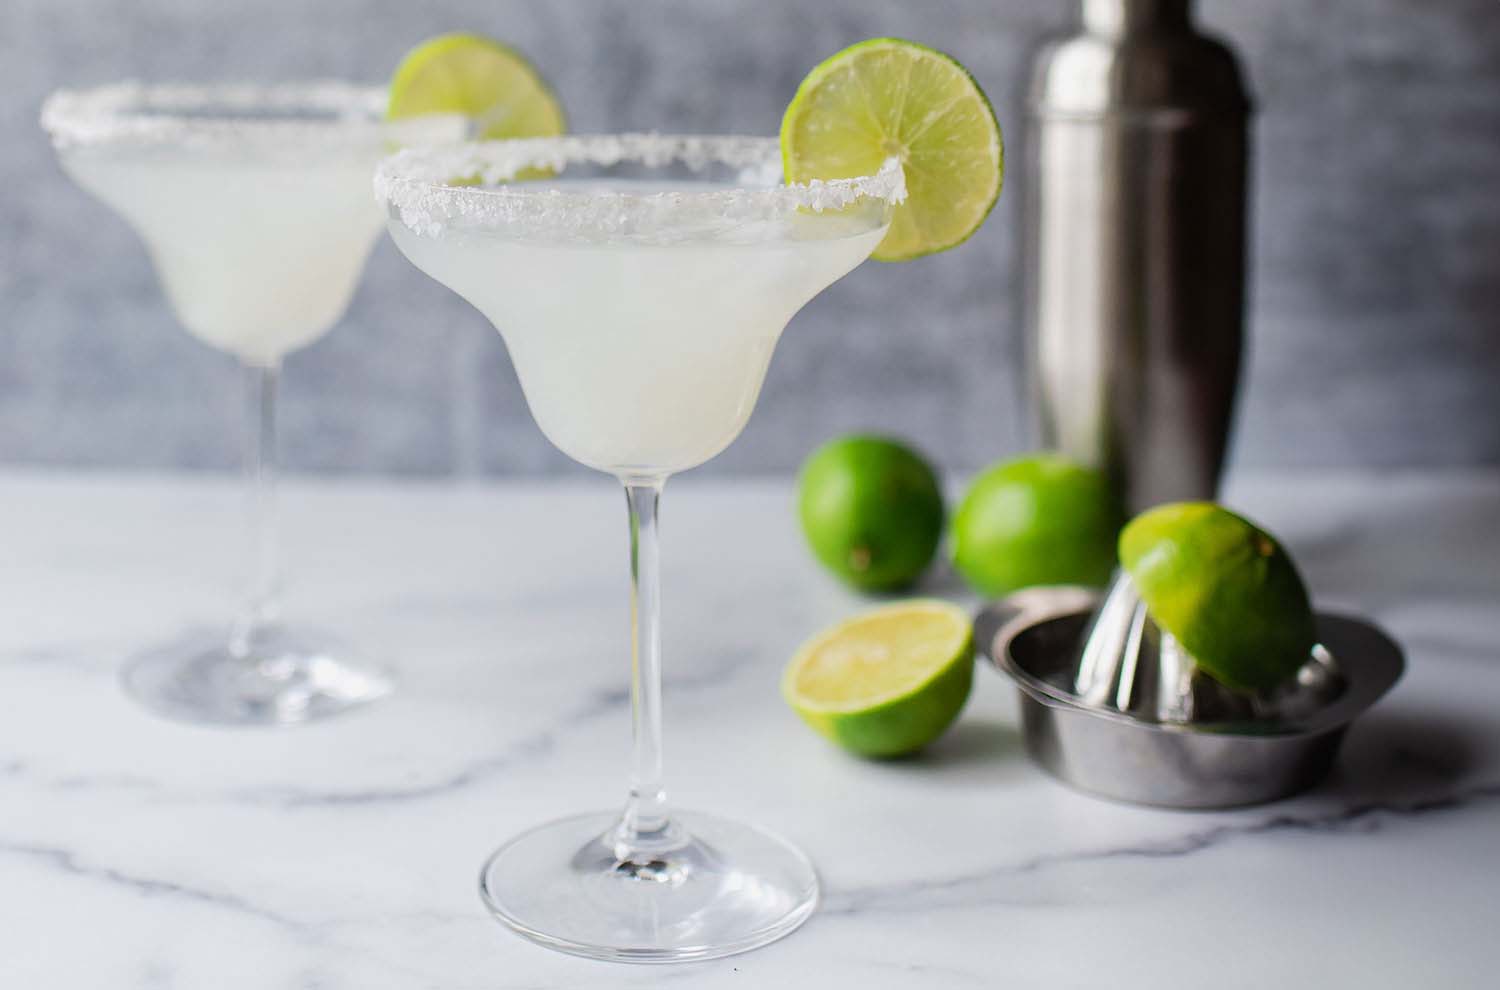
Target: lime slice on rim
(486, 81)
(892, 98)
(1225, 588)
(886, 682)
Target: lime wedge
(887, 97)
(486, 81)
(887, 682)
(1225, 588)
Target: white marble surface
(135, 853)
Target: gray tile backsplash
(1375, 321)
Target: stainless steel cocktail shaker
(1135, 246)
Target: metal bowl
(1118, 755)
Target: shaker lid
(1170, 68)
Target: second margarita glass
(640, 292)
(253, 202)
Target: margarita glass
(640, 288)
(253, 203)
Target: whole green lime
(1036, 520)
(871, 510)
(1225, 588)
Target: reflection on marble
(136, 853)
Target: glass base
(724, 888)
(285, 677)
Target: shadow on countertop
(1412, 761)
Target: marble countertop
(136, 853)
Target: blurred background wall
(1375, 308)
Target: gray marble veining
(1376, 233)
(136, 853)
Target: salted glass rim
(287, 114)
(433, 188)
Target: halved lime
(886, 682)
(887, 98)
(491, 83)
(1224, 588)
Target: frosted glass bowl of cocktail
(253, 204)
(640, 291)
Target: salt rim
(136, 112)
(417, 185)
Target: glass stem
(262, 601)
(645, 831)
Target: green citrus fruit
(1224, 588)
(887, 682)
(1036, 520)
(871, 510)
(491, 83)
(887, 98)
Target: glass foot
(283, 678)
(725, 888)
